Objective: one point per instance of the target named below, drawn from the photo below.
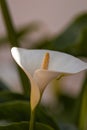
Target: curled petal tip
(13, 50)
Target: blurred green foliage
(72, 40)
(24, 125)
(15, 108)
(3, 86)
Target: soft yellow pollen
(45, 61)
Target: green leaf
(43, 116)
(20, 111)
(27, 29)
(68, 112)
(6, 96)
(72, 40)
(15, 111)
(67, 127)
(25, 126)
(21, 32)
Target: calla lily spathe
(42, 69)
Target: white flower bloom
(42, 66)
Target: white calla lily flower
(42, 66)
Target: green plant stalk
(32, 117)
(8, 23)
(13, 40)
(32, 120)
(82, 118)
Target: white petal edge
(35, 92)
(30, 60)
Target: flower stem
(32, 120)
(82, 118)
(9, 23)
(13, 40)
